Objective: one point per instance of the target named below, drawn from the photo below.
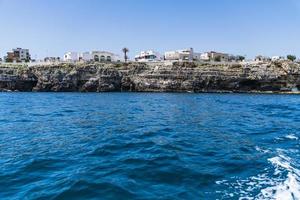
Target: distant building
(71, 57)
(86, 56)
(52, 59)
(236, 58)
(96, 56)
(180, 55)
(215, 56)
(277, 58)
(18, 55)
(104, 56)
(261, 58)
(148, 56)
(196, 56)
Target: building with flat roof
(180, 55)
(278, 58)
(148, 56)
(52, 59)
(18, 55)
(105, 56)
(71, 57)
(96, 56)
(261, 58)
(215, 56)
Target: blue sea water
(149, 146)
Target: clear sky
(246, 27)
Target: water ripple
(149, 146)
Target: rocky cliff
(155, 77)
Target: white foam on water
(289, 189)
(257, 148)
(279, 182)
(292, 137)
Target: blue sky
(246, 27)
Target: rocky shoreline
(271, 77)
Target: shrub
(291, 57)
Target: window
(102, 58)
(96, 58)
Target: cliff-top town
(20, 55)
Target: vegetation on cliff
(153, 77)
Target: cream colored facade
(181, 55)
(215, 56)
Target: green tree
(291, 57)
(125, 51)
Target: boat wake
(280, 181)
(288, 189)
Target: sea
(149, 146)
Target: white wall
(71, 57)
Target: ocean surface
(149, 146)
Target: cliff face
(155, 77)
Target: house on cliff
(181, 55)
(261, 58)
(96, 56)
(71, 57)
(278, 58)
(104, 56)
(18, 55)
(52, 59)
(215, 56)
(148, 56)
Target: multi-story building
(23, 54)
(215, 56)
(148, 56)
(180, 55)
(18, 55)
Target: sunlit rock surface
(155, 77)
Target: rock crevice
(154, 77)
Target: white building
(278, 58)
(105, 56)
(261, 58)
(197, 56)
(148, 56)
(18, 55)
(180, 55)
(86, 56)
(215, 56)
(97, 56)
(22, 54)
(71, 57)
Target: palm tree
(125, 51)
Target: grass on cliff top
(14, 65)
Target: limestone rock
(154, 77)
